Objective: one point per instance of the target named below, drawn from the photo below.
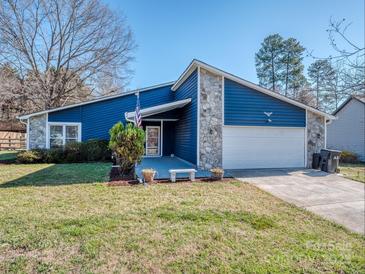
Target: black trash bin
(329, 160)
(316, 160)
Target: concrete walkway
(329, 195)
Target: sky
(226, 34)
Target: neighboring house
(207, 117)
(347, 132)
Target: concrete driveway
(329, 195)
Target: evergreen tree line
(328, 81)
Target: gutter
(127, 119)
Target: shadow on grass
(61, 174)
(8, 157)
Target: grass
(354, 171)
(62, 218)
(8, 155)
(52, 174)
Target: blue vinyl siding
(245, 107)
(186, 127)
(97, 118)
(168, 138)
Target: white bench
(173, 173)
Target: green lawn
(8, 155)
(353, 171)
(62, 218)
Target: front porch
(162, 165)
(171, 139)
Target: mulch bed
(116, 179)
(123, 183)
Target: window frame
(63, 124)
(159, 138)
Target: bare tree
(305, 95)
(62, 48)
(348, 64)
(12, 97)
(350, 57)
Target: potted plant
(217, 173)
(148, 175)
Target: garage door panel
(262, 147)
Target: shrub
(127, 142)
(348, 157)
(54, 155)
(29, 157)
(41, 152)
(72, 152)
(95, 150)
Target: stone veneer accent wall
(315, 135)
(37, 131)
(211, 119)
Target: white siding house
(348, 131)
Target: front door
(152, 141)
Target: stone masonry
(37, 131)
(211, 119)
(315, 135)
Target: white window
(63, 133)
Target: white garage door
(263, 147)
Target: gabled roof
(158, 109)
(359, 98)
(26, 116)
(191, 68)
(196, 63)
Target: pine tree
(321, 75)
(268, 62)
(292, 67)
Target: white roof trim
(22, 117)
(196, 63)
(159, 109)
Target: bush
(29, 157)
(348, 157)
(55, 156)
(95, 150)
(127, 142)
(41, 152)
(74, 152)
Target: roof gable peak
(195, 63)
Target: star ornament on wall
(268, 114)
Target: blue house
(207, 117)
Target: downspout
(329, 121)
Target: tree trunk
(273, 73)
(287, 76)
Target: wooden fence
(12, 140)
